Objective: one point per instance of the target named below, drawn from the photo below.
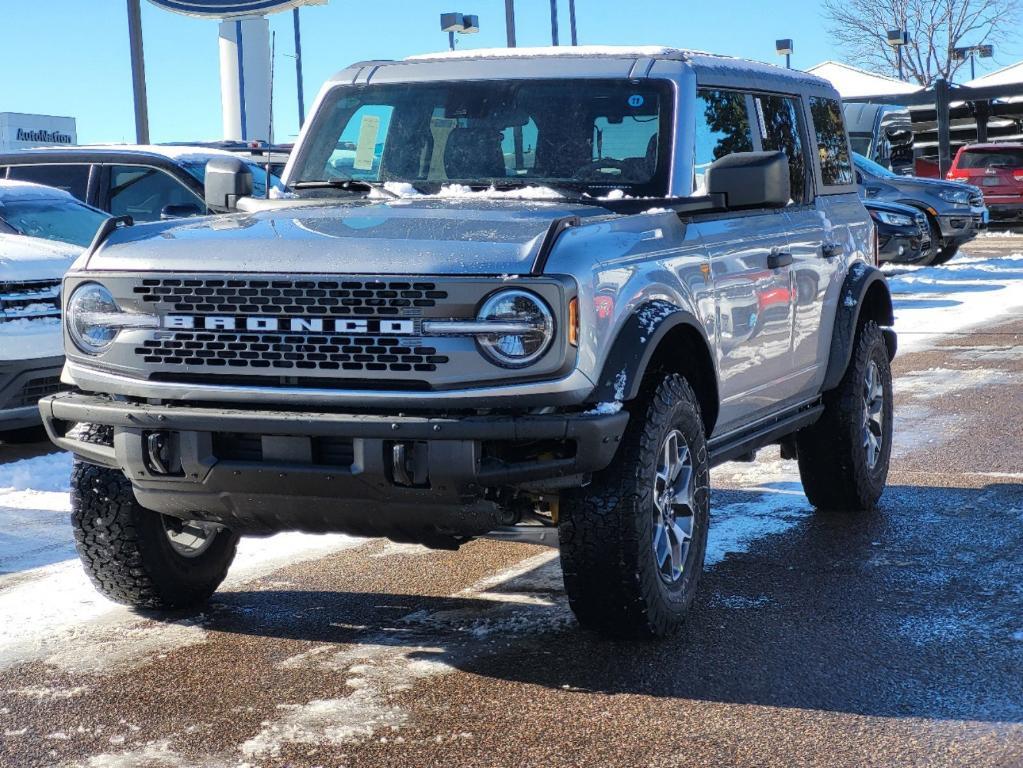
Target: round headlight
(87, 306)
(526, 343)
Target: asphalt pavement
(891, 638)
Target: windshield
(66, 221)
(198, 169)
(871, 168)
(1010, 157)
(590, 135)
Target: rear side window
(832, 145)
(70, 178)
(723, 129)
(781, 130)
(1010, 157)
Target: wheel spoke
(662, 546)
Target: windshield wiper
(349, 185)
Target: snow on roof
(644, 51)
(1011, 75)
(851, 82)
(26, 190)
(178, 153)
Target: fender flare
(635, 346)
(860, 279)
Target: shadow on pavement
(912, 611)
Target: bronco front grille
(291, 297)
(283, 351)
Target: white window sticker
(366, 149)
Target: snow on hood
(31, 258)
(11, 190)
(415, 235)
(461, 192)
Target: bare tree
(935, 28)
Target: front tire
(139, 557)
(844, 457)
(633, 542)
(948, 252)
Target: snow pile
(12, 189)
(967, 292)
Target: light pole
(571, 21)
(898, 39)
(784, 48)
(984, 51)
(509, 21)
(554, 22)
(138, 72)
(462, 23)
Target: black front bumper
(412, 478)
(903, 248)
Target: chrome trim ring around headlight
(94, 318)
(500, 328)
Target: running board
(733, 445)
(545, 535)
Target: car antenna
(270, 128)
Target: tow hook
(160, 454)
(409, 464)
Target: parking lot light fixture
(898, 39)
(784, 48)
(462, 23)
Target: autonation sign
(225, 9)
(22, 131)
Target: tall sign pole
(138, 72)
(554, 22)
(509, 20)
(298, 66)
(571, 21)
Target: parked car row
(42, 231)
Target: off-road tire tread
(832, 464)
(110, 530)
(604, 579)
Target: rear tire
(139, 557)
(844, 457)
(633, 542)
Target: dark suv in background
(146, 182)
(955, 212)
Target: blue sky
(58, 58)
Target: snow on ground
(931, 302)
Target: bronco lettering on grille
(357, 326)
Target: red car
(997, 169)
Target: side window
(70, 178)
(781, 130)
(142, 192)
(724, 129)
(832, 146)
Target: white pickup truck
(42, 231)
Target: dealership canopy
(852, 82)
(226, 9)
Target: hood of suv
(926, 186)
(414, 236)
(26, 259)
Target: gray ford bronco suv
(527, 294)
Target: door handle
(779, 259)
(831, 250)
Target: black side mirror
(899, 137)
(227, 179)
(751, 180)
(179, 211)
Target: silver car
(514, 293)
